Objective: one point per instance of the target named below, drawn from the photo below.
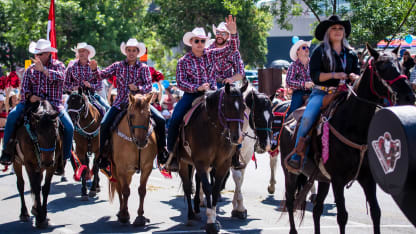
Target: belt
(325, 88)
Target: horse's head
(43, 122)
(231, 107)
(388, 80)
(138, 116)
(260, 119)
(77, 105)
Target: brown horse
(86, 119)
(210, 140)
(38, 148)
(134, 148)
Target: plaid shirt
(137, 74)
(76, 73)
(48, 88)
(228, 66)
(297, 75)
(192, 71)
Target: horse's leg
(35, 179)
(95, 187)
(369, 186)
(239, 211)
(24, 215)
(290, 184)
(342, 214)
(140, 219)
(187, 189)
(273, 163)
(124, 215)
(82, 154)
(45, 193)
(318, 208)
(197, 197)
(212, 226)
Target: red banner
(51, 34)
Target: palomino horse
(38, 148)
(134, 148)
(348, 127)
(86, 119)
(220, 120)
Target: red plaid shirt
(76, 73)
(48, 88)
(137, 74)
(192, 71)
(297, 75)
(228, 66)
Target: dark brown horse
(212, 135)
(39, 149)
(381, 82)
(86, 119)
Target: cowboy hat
(84, 45)
(196, 32)
(41, 46)
(333, 20)
(295, 47)
(132, 42)
(221, 27)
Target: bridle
(221, 116)
(77, 126)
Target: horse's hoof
(140, 221)
(239, 214)
(312, 198)
(24, 217)
(270, 189)
(92, 193)
(213, 228)
(123, 218)
(64, 179)
(43, 224)
(84, 197)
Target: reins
(221, 116)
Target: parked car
(251, 75)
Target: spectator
(413, 78)
(407, 63)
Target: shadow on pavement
(105, 225)
(26, 227)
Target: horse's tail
(302, 190)
(112, 185)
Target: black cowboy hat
(324, 25)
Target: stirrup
(170, 162)
(290, 168)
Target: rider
(298, 77)
(83, 72)
(227, 70)
(193, 76)
(43, 80)
(132, 76)
(332, 61)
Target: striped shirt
(48, 88)
(192, 71)
(227, 67)
(297, 75)
(137, 74)
(76, 74)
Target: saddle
(279, 110)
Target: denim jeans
(106, 123)
(101, 101)
(309, 116)
(160, 129)
(63, 116)
(297, 100)
(177, 116)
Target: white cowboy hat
(196, 32)
(295, 48)
(132, 42)
(84, 45)
(221, 27)
(41, 46)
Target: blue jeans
(309, 116)
(63, 116)
(102, 101)
(297, 100)
(106, 123)
(177, 116)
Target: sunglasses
(40, 54)
(221, 33)
(199, 40)
(303, 48)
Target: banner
(51, 33)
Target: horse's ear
(372, 51)
(244, 86)
(149, 97)
(131, 98)
(227, 88)
(396, 50)
(79, 90)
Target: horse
(257, 135)
(39, 149)
(381, 81)
(220, 118)
(86, 119)
(135, 136)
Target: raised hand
(38, 64)
(230, 23)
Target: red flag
(51, 34)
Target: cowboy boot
(8, 153)
(235, 161)
(300, 151)
(172, 163)
(162, 156)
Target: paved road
(166, 208)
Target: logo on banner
(387, 151)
